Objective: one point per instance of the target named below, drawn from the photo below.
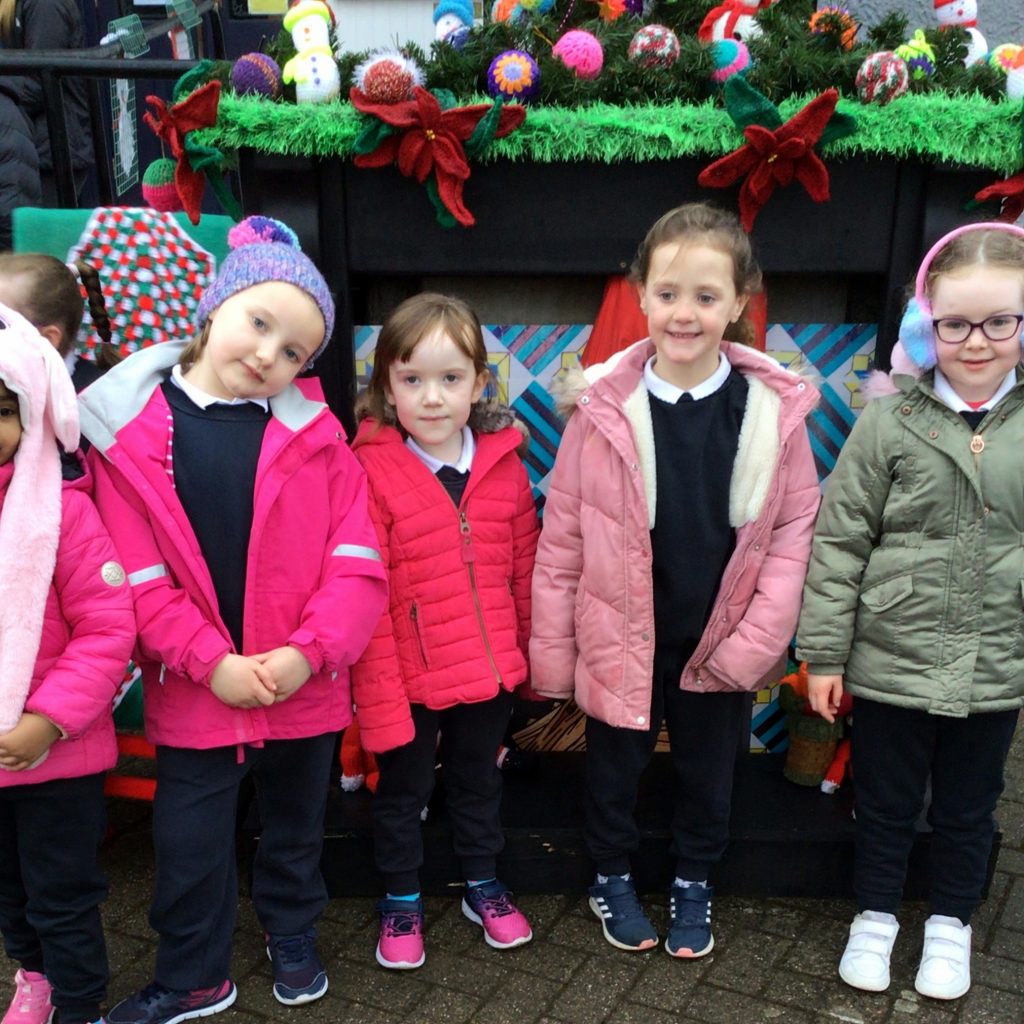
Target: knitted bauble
(581, 52)
(919, 55)
(1003, 56)
(256, 74)
(654, 46)
(1015, 78)
(158, 188)
(264, 249)
(513, 74)
(387, 76)
(731, 57)
(835, 22)
(882, 77)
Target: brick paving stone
(911, 1008)
(595, 989)
(748, 963)
(445, 1005)
(517, 997)
(834, 998)
(718, 1006)
(664, 981)
(983, 1005)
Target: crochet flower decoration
(513, 74)
(775, 152)
(428, 139)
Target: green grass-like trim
(967, 130)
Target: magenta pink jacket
(458, 623)
(593, 595)
(87, 637)
(315, 580)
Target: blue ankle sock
(411, 898)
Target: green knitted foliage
(967, 129)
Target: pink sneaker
(490, 906)
(400, 946)
(31, 1003)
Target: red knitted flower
(1010, 191)
(776, 157)
(430, 140)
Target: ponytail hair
(106, 353)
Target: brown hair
(408, 324)
(50, 296)
(717, 228)
(989, 247)
(8, 9)
(194, 349)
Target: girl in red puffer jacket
(458, 529)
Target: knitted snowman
(963, 14)
(312, 69)
(450, 16)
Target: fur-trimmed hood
(31, 517)
(778, 401)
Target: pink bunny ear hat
(31, 516)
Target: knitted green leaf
(444, 216)
(747, 106)
(446, 98)
(372, 136)
(483, 134)
(839, 126)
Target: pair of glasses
(955, 330)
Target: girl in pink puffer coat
(66, 633)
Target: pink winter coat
(593, 593)
(87, 637)
(314, 579)
(458, 624)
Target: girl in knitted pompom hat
(66, 633)
(241, 516)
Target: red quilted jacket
(458, 623)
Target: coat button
(585, 400)
(933, 434)
(977, 444)
(757, 547)
(640, 720)
(634, 467)
(645, 636)
(906, 410)
(801, 386)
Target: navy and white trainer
(156, 1004)
(299, 976)
(623, 920)
(689, 935)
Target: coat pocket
(879, 597)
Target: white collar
(205, 400)
(945, 393)
(465, 459)
(671, 394)
(71, 361)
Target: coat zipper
(469, 558)
(414, 614)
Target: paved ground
(774, 960)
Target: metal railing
(94, 64)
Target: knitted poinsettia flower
(429, 139)
(1010, 191)
(773, 155)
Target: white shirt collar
(465, 459)
(71, 361)
(945, 393)
(204, 400)
(670, 393)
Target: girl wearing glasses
(913, 602)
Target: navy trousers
(51, 888)
(195, 894)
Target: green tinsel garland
(962, 129)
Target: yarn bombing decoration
(882, 77)
(731, 57)
(1009, 193)
(580, 52)
(158, 187)
(450, 16)
(834, 22)
(387, 76)
(1015, 78)
(733, 19)
(1003, 56)
(775, 153)
(312, 69)
(654, 46)
(919, 55)
(514, 75)
(431, 142)
(256, 74)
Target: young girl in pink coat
(676, 536)
(241, 519)
(458, 530)
(66, 633)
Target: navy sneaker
(690, 935)
(156, 1004)
(299, 976)
(623, 920)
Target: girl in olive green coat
(913, 602)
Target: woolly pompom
(731, 57)
(387, 76)
(256, 74)
(254, 230)
(581, 52)
(917, 336)
(513, 74)
(834, 22)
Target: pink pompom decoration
(256, 229)
(581, 52)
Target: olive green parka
(915, 590)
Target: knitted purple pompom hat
(264, 249)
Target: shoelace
(499, 906)
(293, 951)
(152, 993)
(690, 912)
(399, 923)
